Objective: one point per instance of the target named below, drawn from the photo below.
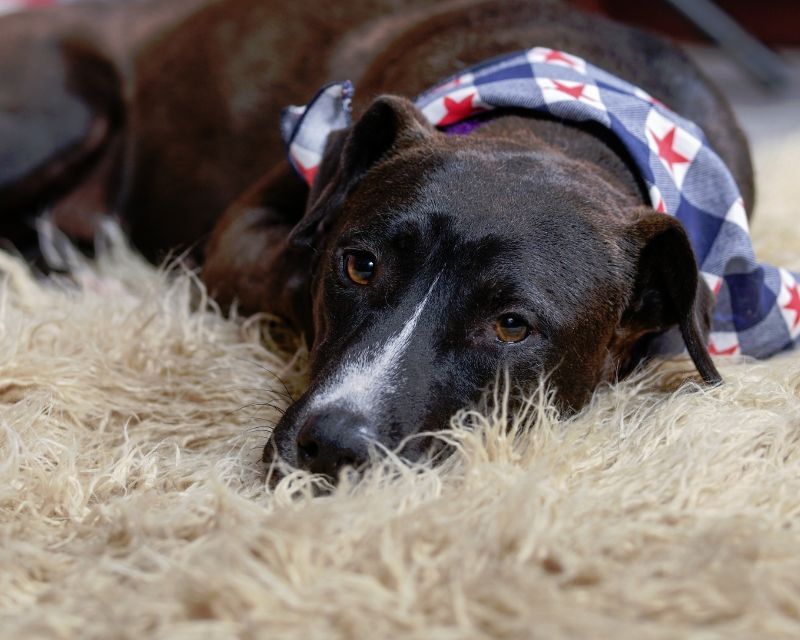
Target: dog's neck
(578, 141)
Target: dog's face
(442, 260)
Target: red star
(712, 349)
(666, 151)
(458, 110)
(557, 56)
(794, 303)
(309, 173)
(576, 92)
(717, 287)
(661, 207)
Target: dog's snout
(330, 441)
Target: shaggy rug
(133, 503)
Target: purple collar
(468, 125)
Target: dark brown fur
(168, 118)
(163, 112)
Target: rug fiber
(133, 503)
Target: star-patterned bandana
(757, 310)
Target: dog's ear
(390, 124)
(667, 289)
(60, 106)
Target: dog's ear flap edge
(389, 123)
(668, 289)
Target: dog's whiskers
(260, 427)
(277, 408)
(288, 393)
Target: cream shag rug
(133, 503)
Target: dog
(462, 242)
(417, 264)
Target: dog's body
(414, 247)
(163, 112)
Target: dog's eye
(511, 328)
(359, 266)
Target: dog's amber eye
(359, 266)
(511, 328)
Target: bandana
(757, 306)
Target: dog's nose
(330, 441)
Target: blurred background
(751, 49)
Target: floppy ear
(667, 289)
(390, 123)
(60, 106)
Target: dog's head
(439, 260)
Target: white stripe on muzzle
(365, 378)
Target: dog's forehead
(541, 183)
(499, 205)
(488, 183)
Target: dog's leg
(60, 119)
(65, 80)
(248, 259)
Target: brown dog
(465, 238)
(462, 268)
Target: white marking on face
(365, 378)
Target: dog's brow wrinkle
(362, 381)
